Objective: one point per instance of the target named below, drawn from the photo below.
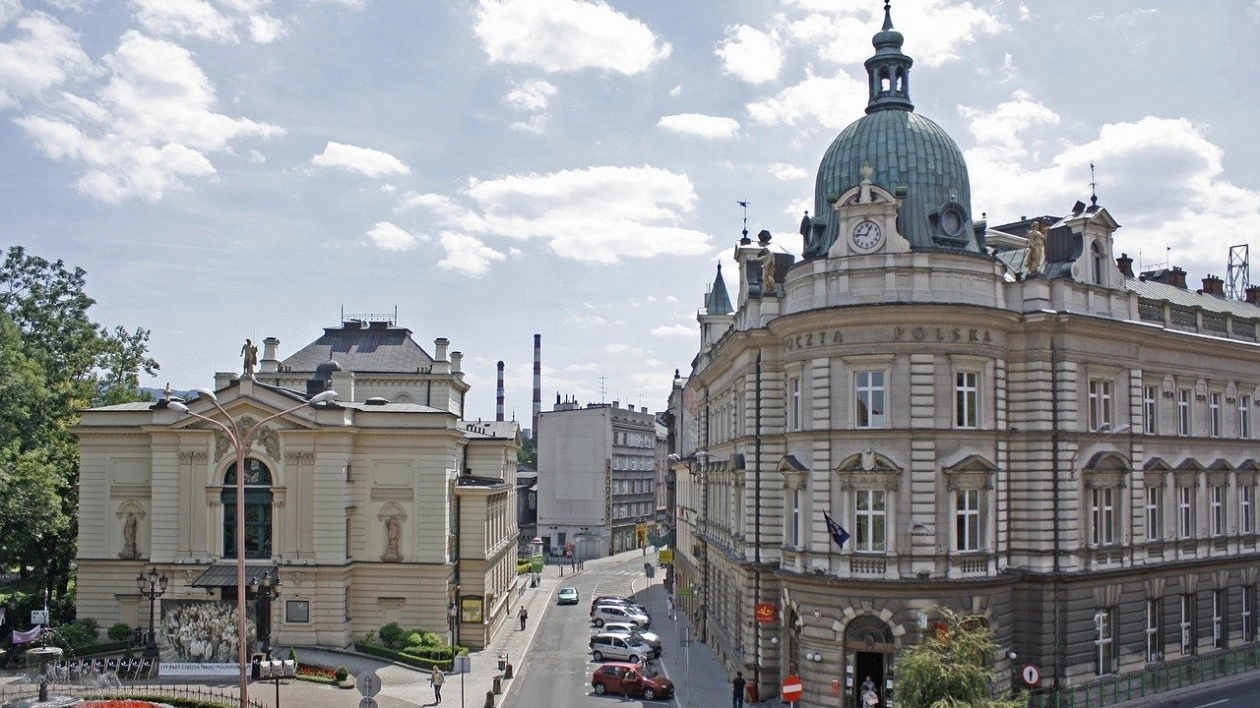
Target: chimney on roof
(498, 396)
(1125, 264)
(1253, 295)
(1212, 285)
(1173, 276)
(269, 362)
(457, 359)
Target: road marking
(1213, 703)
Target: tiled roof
(362, 349)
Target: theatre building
(381, 505)
(1004, 420)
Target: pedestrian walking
(523, 614)
(436, 679)
(669, 605)
(737, 690)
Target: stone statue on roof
(249, 351)
(766, 258)
(1036, 259)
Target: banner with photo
(202, 632)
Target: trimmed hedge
(420, 658)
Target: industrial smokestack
(498, 401)
(537, 383)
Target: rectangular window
(869, 389)
(1103, 513)
(872, 518)
(1154, 513)
(1248, 613)
(1154, 648)
(1220, 605)
(1183, 411)
(967, 520)
(1185, 512)
(297, 611)
(796, 518)
(1217, 510)
(1246, 522)
(1099, 404)
(1104, 624)
(794, 404)
(1214, 413)
(966, 399)
(1150, 406)
(1244, 417)
(1187, 625)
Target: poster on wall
(198, 638)
(471, 609)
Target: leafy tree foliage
(952, 668)
(528, 454)
(54, 361)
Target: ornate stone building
(1006, 423)
(382, 506)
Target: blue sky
(226, 169)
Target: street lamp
(452, 612)
(264, 591)
(151, 585)
(242, 443)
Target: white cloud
(365, 161)
(265, 29)
(677, 330)
(831, 102)
(677, 90)
(467, 254)
(256, 157)
(750, 54)
(150, 129)
(45, 55)
(185, 18)
(566, 35)
(352, 4)
(697, 124)
(391, 237)
(784, 172)
(531, 96)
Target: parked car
(633, 630)
(618, 600)
(616, 613)
(620, 647)
(567, 596)
(630, 680)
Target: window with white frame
(794, 403)
(1214, 414)
(967, 520)
(1216, 509)
(1183, 411)
(1154, 647)
(1154, 513)
(1220, 605)
(1099, 404)
(1244, 417)
(1187, 624)
(796, 532)
(1246, 520)
(1105, 522)
(966, 399)
(1248, 613)
(871, 514)
(869, 391)
(1185, 512)
(1150, 409)
(1104, 626)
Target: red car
(629, 680)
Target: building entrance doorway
(867, 665)
(868, 641)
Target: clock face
(867, 235)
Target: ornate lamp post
(264, 591)
(242, 441)
(151, 585)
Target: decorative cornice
(129, 491)
(301, 458)
(393, 494)
(186, 457)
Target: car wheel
(634, 659)
(597, 655)
(599, 621)
(599, 689)
(648, 694)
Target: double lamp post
(242, 441)
(151, 585)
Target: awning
(224, 576)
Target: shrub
(120, 632)
(391, 634)
(341, 674)
(79, 633)
(522, 568)
(293, 655)
(370, 638)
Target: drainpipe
(1060, 649)
(757, 532)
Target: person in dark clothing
(523, 615)
(737, 690)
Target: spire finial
(1093, 186)
(887, 15)
(744, 204)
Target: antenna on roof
(1093, 186)
(1239, 271)
(744, 204)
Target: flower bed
(316, 673)
(120, 703)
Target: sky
(489, 170)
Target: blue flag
(838, 534)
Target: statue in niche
(129, 537)
(1036, 249)
(393, 537)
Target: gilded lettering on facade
(970, 335)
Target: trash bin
(255, 665)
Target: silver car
(616, 613)
(629, 629)
(620, 648)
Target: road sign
(792, 688)
(1031, 674)
(369, 685)
(367, 702)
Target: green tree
(952, 668)
(54, 361)
(528, 453)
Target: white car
(628, 629)
(601, 614)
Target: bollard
(502, 662)
(489, 699)
(498, 684)
(507, 672)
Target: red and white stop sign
(792, 688)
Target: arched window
(257, 510)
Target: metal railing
(1153, 680)
(148, 691)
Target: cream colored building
(1028, 433)
(383, 506)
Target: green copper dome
(911, 157)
